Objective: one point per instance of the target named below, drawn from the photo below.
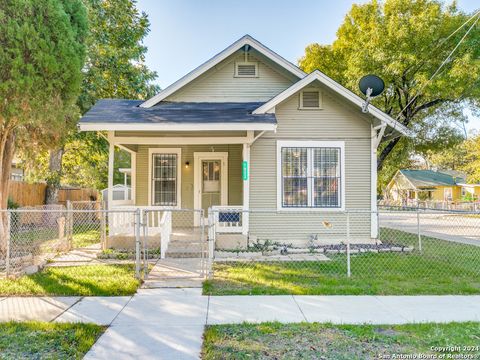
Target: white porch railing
(158, 222)
(165, 232)
(228, 219)
(121, 223)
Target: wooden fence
(65, 195)
(25, 194)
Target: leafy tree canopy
(464, 157)
(41, 58)
(405, 42)
(115, 68)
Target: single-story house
(434, 185)
(248, 130)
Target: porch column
(133, 177)
(246, 188)
(373, 186)
(111, 158)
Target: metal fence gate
(174, 244)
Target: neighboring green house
(249, 130)
(434, 185)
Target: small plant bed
(252, 252)
(342, 342)
(441, 268)
(127, 254)
(37, 340)
(88, 280)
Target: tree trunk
(53, 182)
(386, 150)
(7, 150)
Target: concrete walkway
(169, 323)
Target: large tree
(464, 157)
(405, 43)
(41, 56)
(115, 68)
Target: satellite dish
(372, 82)
(370, 86)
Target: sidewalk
(168, 323)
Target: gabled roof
(429, 178)
(336, 87)
(237, 45)
(115, 114)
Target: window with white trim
(311, 176)
(164, 179)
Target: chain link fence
(174, 240)
(76, 236)
(290, 249)
(252, 248)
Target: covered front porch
(184, 171)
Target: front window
(164, 179)
(311, 177)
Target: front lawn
(88, 280)
(441, 268)
(36, 340)
(326, 341)
(85, 235)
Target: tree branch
(427, 105)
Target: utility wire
(444, 61)
(453, 33)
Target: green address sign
(245, 170)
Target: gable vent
(310, 100)
(246, 69)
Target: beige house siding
(235, 194)
(335, 122)
(220, 84)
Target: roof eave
(176, 127)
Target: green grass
(441, 268)
(36, 340)
(46, 239)
(85, 235)
(91, 280)
(326, 341)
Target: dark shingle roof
(128, 111)
(424, 178)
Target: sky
(186, 33)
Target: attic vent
(246, 69)
(310, 100)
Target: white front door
(210, 181)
